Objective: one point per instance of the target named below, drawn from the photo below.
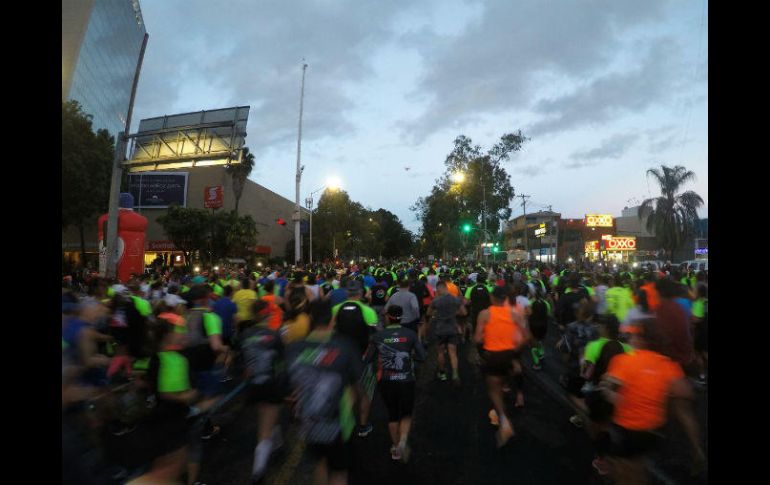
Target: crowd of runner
(157, 355)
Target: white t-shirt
(173, 300)
(634, 315)
(523, 301)
(314, 289)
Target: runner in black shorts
(393, 349)
(501, 339)
(262, 350)
(443, 312)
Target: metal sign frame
(172, 142)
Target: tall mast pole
(297, 235)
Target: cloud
(577, 165)
(614, 94)
(613, 147)
(501, 61)
(243, 52)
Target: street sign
(487, 251)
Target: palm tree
(671, 217)
(240, 172)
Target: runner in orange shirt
(640, 385)
(501, 338)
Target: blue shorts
(208, 382)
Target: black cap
(394, 313)
(500, 293)
(353, 287)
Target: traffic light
(280, 222)
(466, 228)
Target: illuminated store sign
(598, 220)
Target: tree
(354, 231)
(393, 240)
(86, 169)
(671, 217)
(452, 205)
(231, 235)
(240, 173)
(188, 229)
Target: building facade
(263, 205)
(101, 43)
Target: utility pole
(524, 198)
(297, 235)
(108, 265)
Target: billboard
(199, 139)
(213, 197)
(158, 190)
(598, 220)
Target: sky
(602, 89)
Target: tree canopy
(453, 204)
(355, 231)
(216, 236)
(86, 160)
(673, 216)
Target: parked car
(696, 265)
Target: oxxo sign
(598, 220)
(212, 197)
(621, 244)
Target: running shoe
(493, 419)
(537, 367)
(405, 452)
(600, 466)
(456, 381)
(395, 453)
(210, 431)
(442, 376)
(226, 378)
(701, 380)
(365, 430)
(577, 421)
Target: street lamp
(333, 184)
(458, 178)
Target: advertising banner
(213, 197)
(158, 190)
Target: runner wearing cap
(356, 321)
(393, 351)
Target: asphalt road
(452, 441)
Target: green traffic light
(467, 228)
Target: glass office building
(106, 61)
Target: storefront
(612, 249)
(163, 252)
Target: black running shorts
(398, 397)
(448, 339)
(498, 363)
(337, 453)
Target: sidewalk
(671, 465)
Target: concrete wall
(262, 204)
